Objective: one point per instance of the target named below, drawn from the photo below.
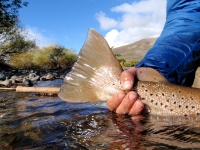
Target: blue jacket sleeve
(176, 53)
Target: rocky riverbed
(13, 78)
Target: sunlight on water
(37, 122)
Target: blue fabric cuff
(176, 53)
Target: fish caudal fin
(96, 74)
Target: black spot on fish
(182, 98)
(143, 98)
(174, 102)
(185, 115)
(156, 95)
(179, 106)
(179, 91)
(193, 107)
(198, 113)
(151, 94)
(161, 104)
(167, 100)
(171, 109)
(186, 106)
(163, 94)
(166, 106)
(173, 95)
(146, 90)
(156, 103)
(152, 101)
(191, 98)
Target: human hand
(126, 103)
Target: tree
(19, 45)
(9, 10)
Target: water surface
(29, 121)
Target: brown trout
(96, 77)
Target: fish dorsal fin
(151, 75)
(196, 83)
(95, 71)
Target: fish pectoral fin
(196, 83)
(151, 75)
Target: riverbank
(14, 77)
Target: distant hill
(136, 50)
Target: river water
(29, 121)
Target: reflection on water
(37, 122)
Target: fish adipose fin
(96, 74)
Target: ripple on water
(30, 121)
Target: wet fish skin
(96, 77)
(166, 99)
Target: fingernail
(132, 96)
(139, 104)
(127, 85)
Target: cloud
(39, 37)
(138, 20)
(106, 22)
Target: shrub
(131, 63)
(118, 55)
(22, 60)
(68, 59)
(54, 57)
(41, 58)
(122, 61)
(51, 57)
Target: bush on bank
(22, 60)
(131, 63)
(51, 57)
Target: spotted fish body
(96, 77)
(168, 99)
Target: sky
(66, 22)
